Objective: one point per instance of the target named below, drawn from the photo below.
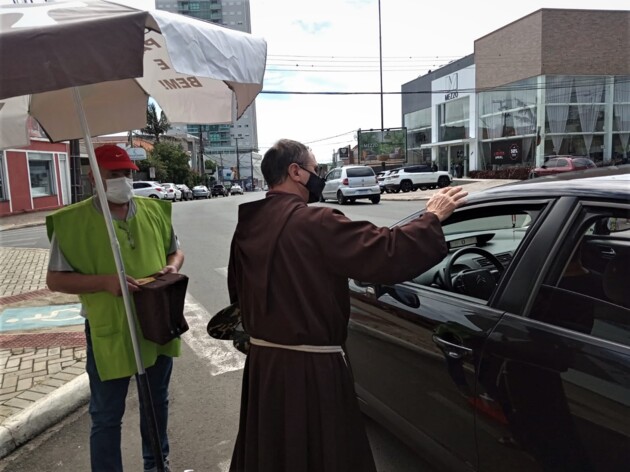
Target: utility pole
(380, 50)
(251, 167)
(202, 170)
(238, 165)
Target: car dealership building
(553, 82)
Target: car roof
(602, 182)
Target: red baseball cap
(113, 157)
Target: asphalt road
(204, 399)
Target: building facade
(554, 82)
(223, 142)
(34, 178)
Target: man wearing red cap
(82, 263)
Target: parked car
(349, 183)
(186, 192)
(200, 191)
(151, 189)
(172, 192)
(219, 190)
(236, 189)
(380, 178)
(514, 351)
(412, 178)
(560, 164)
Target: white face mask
(119, 190)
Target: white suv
(346, 184)
(149, 189)
(412, 178)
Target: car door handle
(452, 350)
(608, 252)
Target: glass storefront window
(418, 125)
(508, 111)
(41, 173)
(454, 119)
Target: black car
(514, 352)
(219, 190)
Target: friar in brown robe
(289, 269)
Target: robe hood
(259, 226)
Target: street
(205, 391)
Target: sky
(333, 46)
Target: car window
(360, 172)
(587, 287)
(551, 163)
(488, 238)
(562, 163)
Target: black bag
(160, 307)
(227, 325)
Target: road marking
(221, 355)
(222, 271)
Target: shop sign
(452, 87)
(506, 152)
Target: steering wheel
(479, 283)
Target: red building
(34, 178)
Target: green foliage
(156, 125)
(515, 173)
(210, 165)
(171, 164)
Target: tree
(170, 162)
(210, 165)
(156, 125)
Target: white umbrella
(86, 68)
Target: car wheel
(532, 175)
(423, 187)
(341, 199)
(406, 186)
(375, 199)
(153, 196)
(322, 199)
(444, 181)
(352, 200)
(396, 191)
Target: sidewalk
(42, 370)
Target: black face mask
(315, 185)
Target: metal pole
(143, 384)
(380, 52)
(238, 167)
(251, 166)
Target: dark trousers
(107, 407)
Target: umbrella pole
(143, 384)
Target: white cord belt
(297, 347)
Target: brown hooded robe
(289, 269)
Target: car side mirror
(543, 166)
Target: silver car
(349, 183)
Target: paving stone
(6, 411)
(54, 351)
(54, 382)
(26, 364)
(13, 363)
(31, 396)
(73, 370)
(40, 365)
(24, 384)
(10, 381)
(43, 388)
(19, 403)
(64, 376)
(54, 368)
(7, 396)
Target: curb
(43, 414)
(20, 226)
